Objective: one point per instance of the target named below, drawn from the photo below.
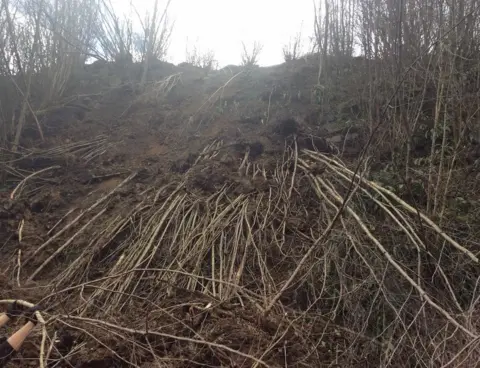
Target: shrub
(250, 57)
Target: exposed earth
(158, 226)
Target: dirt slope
(179, 209)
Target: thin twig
(66, 244)
(74, 221)
(19, 185)
(161, 334)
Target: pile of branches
(314, 265)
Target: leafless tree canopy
(205, 60)
(294, 49)
(423, 53)
(419, 89)
(43, 42)
(250, 56)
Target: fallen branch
(310, 250)
(390, 259)
(326, 159)
(97, 322)
(74, 221)
(19, 185)
(66, 244)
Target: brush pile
(297, 261)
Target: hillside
(238, 218)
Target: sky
(222, 25)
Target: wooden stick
(66, 244)
(19, 265)
(97, 322)
(59, 221)
(468, 253)
(19, 185)
(394, 263)
(75, 220)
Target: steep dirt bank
(168, 219)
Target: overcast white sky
(222, 25)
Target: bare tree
(419, 74)
(293, 50)
(114, 34)
(250, 56)
(205, 60)
(157, 36)
(43, 42)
